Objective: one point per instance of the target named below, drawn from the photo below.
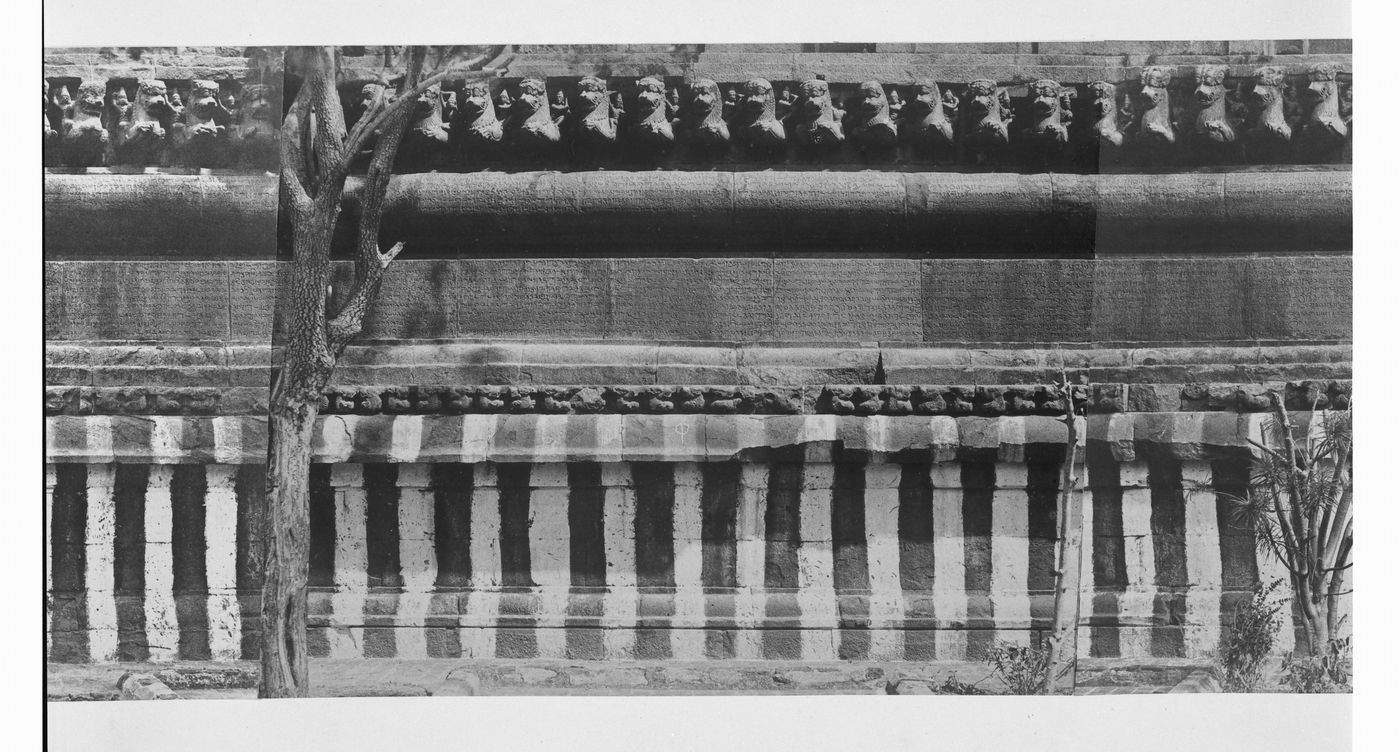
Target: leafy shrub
(1320, 674)
(1025, 670)
(1244, 650)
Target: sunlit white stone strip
(162, 625)
(337, 438)
(100, 578)
(1011, 603)
(166, 443)
(750, 595)
(949, 562)
(346, 635)
(1135, 603)
(221, 562)
(50, 480)
(228, 439)
(816, 567)
(417, 557)
(549, 553)
(551, 444)
(882, 554)
(1203, 565)
(478, 631)
(99, 438)
(405, 442)
(1087, 585)
(619, 620)
(688, 621)
(477, 431)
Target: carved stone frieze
(142, 141)
(926, 123)
(86, 141)
(872, 126)
(987, 118)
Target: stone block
(692, 299)
(773, 366)
(136, 300)
(1004, 300)
(417, 300)
(857, 300)
(536, 298)
(849, 211)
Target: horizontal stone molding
(726, 213)
(614, 438)
(176, 365)
(866, 399)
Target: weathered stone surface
(191, 216)
(535, 297)
(418, 299)
(136, 300)
(846, 300)
(701, 299)
(991, 300)
(144, 687)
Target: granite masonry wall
(732, 405)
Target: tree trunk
(306, 369)
(1064, 640)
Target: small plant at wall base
(1245, 647)
(1299, 507)
(1320, 674)
(1024, 669)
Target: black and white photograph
(398, 377)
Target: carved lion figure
(530, 130)
(816, 123)
(872, 129)
(701, 122)
(755, 125)
(142, 141)
(925, 122)
(85, 138)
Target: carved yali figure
(119, 109)
(1213, 129)
(142, 141)
(592, 120)
(987, 119)
(425, 143)
(755, 125)
(1324, 129)
(650, 129)
(701, 122)
(872, 129)
(816, 123)
(477, 129)
(530, 131)
(255, 138)
(85, 138)
(1270, 134)
(925, 122)
(200, 138)
(1104, 109)
(1050, 112)
(1155, 128)
(53, 156)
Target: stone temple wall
(657, 400)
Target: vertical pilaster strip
(882, 552)
(619, 619)
(916, 561)
(129, 560)
(1109, 550)
(69, 529)
(1087, 584)
(381, 550)
(851, 576)
(162, 623)
(655, 494)
(1135, 609)
(1169, 554)
(587, 557)
(781, 531)
(549, 554)
(1011, 605)
(221, 561)
(100, 541)
(347, 635)
(452, 496)
(720, 502)
(478, 631)
(1203, 565)
(949, 561)
(417, 555)
(518, 599)
(816, 596)
(978, 480)
(688, 622)
(251, 489)
(749, 597)
(50, 480)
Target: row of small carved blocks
(719, 400)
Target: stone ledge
(202, 216)
(668, 438)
